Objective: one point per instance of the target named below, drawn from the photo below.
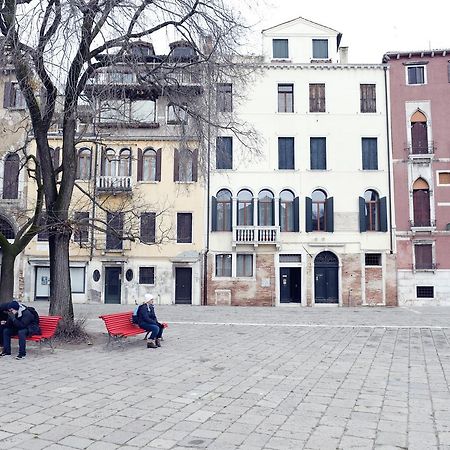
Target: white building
(310, 220)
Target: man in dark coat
(3, 319)
(21, 322)
(147, 321)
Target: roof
(415, 53)
(304, 20)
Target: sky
(369, 29)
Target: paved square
(240, 378)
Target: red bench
(119, 326)
(48, 325)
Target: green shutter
(296, 211)
(308, 214)
(362, 215)
(213, 213)
(329, 214)
(383, 214)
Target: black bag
(35, 314)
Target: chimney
(343, 55)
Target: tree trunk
(7, 276)
(60, 288)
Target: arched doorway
(421, 203)
(326, 286)
(419, 133)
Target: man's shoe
(5, 354)
(20, 356)
(151, 343)
(158, 342)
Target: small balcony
(423, 226)
(113, 184)
(256, 235)
(421, 154)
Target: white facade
(343, 125)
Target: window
(369, 154)
(317, 97)
(109, 160)
(81, 231)
(77, 277)
(84, 164)
(291, 258)
(223, 265)
(286, 98)
(225, 97)
(143, 111)
(129, 275)
(11, 170)
(244, 265)
(421, 203)
(221, 211)
(287, 212)
(423, 256)
(176, 115)
(372, 201)
(419, 133)
(184, 161)
(318, 210)
(13, 97)
(7, 229)
(146, 275)
(280, 48)
(149, 165)
(368, 98)
(114, 111)
(245, 208)
(266, 216)
(318, 153)
(114, 231)
(43, 227)
(373, 259)
(286, 153)
(416, 74)
(125, 163)
(425, 291)
(444, 178)
(224, 153)
(148, 222)
(184, 228)
(320, 48)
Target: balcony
(421, 154)
(423, 226)
(113, 184)
(256, 235)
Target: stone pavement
(240, 378)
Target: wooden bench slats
(119, 325)
(48, 326)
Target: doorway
(290, 285)
(326, 268)
(183, 285)
(42, 284)
(113, 284)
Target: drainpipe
(94, 193)
(388, 136)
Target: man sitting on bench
(147, 320)
(21, 322)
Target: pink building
(420, 112)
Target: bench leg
(114, 339)
(48, 342)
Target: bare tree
(58, 45)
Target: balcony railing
(256, 235)
(423, 225)
(421, 153)
(113, 184)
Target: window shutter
(362, 214)
(329, 206)
(383, 214)
(230, 220)
(176, 165)
(11, 170)
(140, 165)
(55, 158)
(213, 213)
(102, 161)
(195, 165)
(296, 216)
(158, 164)
(7, 95)
(308, 215)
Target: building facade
(420, 93)
(307, 220)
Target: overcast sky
(369, 29)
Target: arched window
(109, 163)
(419, 133)
(7, 229)
(125, 163)
(223, 215)
(54, 153)
(11, 176)
(421, 203)
(266, 208)
(287, 222)
(245, 208)
(84, 164)
(319, 212)
(185, 168)
(372, 201)
(149, 165)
